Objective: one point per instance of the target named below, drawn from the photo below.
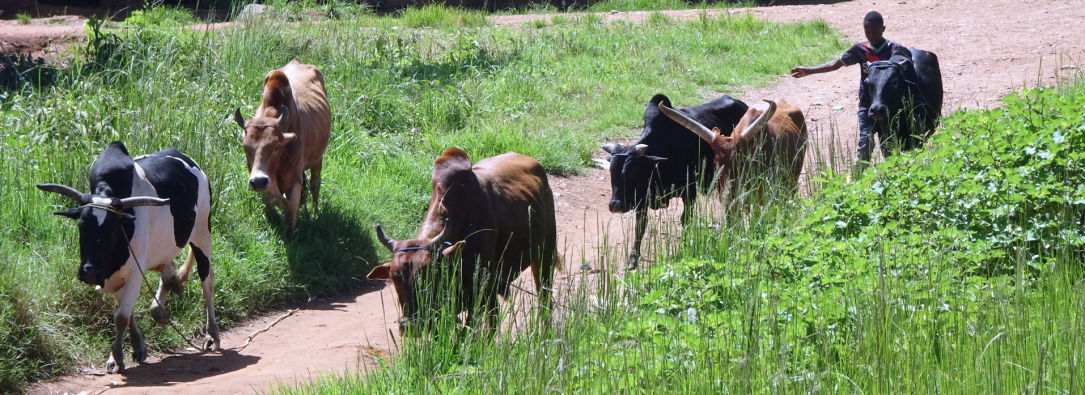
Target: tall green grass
(639, 5)
(954, 269)
(399, 96)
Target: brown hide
(497, 214)
(752, 155)
(287, 136)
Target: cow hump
(111, 175)
(276, 91)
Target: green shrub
(161, 17)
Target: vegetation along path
(987, 49)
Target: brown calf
(766, 145)
(497, 216)
(287, 136)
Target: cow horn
(63, 190)
(440, 236)
(387, 241)
(697, 128)
(136, 201)
(239, 118)
(283, 111)
(760, 122)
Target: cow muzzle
(259, 183)
(89, 274)
(878, 112)
(618, 206)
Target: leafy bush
(160, 17)
(979, 231)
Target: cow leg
(543, 272)
(687, 208)
(293, 200)
(122, 321)
(169, 282)
(642, 225)
(139, 348)
(314, 184)
(207, 284)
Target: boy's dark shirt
(863, 54)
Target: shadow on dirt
(19, 70)
(185, 368)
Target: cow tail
(186, 268)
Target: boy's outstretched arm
(827, 67)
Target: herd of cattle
(487, 221)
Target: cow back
(928, 75)
(689, 158)
(525, 229)
(176, 177)
(310, 115)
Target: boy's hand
(798, 72)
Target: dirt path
(987, 49)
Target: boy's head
(873, 27)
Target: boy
(874, 49)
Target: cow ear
(610, 148)
(289, 137)
(72, 213)
(380, 272)
(452, 249)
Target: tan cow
(496, 215)
(767, 145)
(287, 136)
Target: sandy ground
(986, 48)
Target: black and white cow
(150, 207)
(906, 98)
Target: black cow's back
(689, 158)
(929, 78)
(173, 176)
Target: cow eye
(895, 83)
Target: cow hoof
(113, 367)
(139, 355)
(210, 344)
(632, 264)
(159, 316)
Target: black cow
(667, 161)
(906, 93)
(124, 213)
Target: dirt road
(986, 48)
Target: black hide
(676, 159)
(906, 93)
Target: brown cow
(287, 136)
(497, 215)
(749, 158)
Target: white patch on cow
(99, 213)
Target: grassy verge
(399, 96)
(955, 269)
